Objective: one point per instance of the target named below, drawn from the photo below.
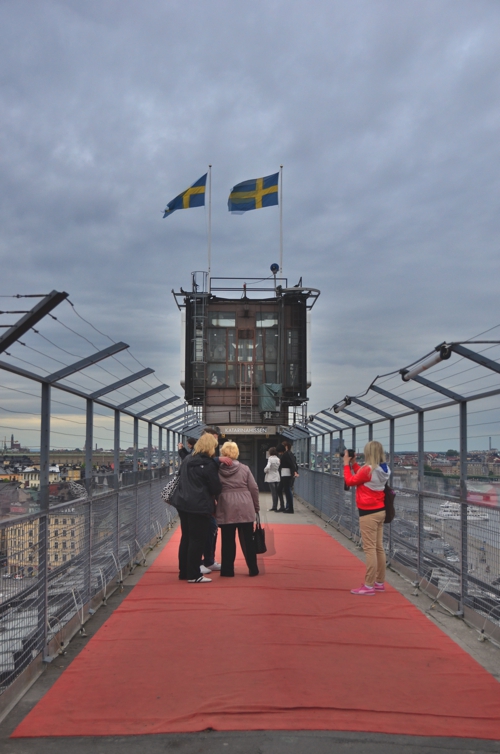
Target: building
(245, 360)
(31, 477)
(66, 537)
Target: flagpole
(209, 224)
(281, 220)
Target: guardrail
(61, 564)
(425, 542)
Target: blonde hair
(206, 444)
(374, 454)
(230, 449)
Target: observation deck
(290, 660)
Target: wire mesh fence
(451, 545)
(55, 563)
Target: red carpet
(289, 650)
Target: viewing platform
(288, 661)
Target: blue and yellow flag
(194, 196)
(254, 194)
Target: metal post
(331, 452)
(353, 489)
(391, 463)
(421, 487)
(89, 441)
(370, 432)
(168, 451)
(116, 449)
(160, 452)
(116, 476)
(136, 447)
(43, 526)
(150, 448)
(464, 560)
(341, 445)
(322, 471)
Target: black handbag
(389, 497)
(259, 537)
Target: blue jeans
(211, 541)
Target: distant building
(66, 537)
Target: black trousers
(195, 529)
(228, 538)
(285, 487)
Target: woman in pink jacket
(237, 505)
(369, 481)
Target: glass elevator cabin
(245, 358)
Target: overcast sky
(385, 115)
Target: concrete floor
(282, 742)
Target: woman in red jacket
(369, 481)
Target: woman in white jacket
(272, 476)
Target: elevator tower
(245, 357)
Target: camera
(351, 452)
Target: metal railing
(469, 588)
(62, 563)
(446, 534)
(66, 543)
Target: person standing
(288, 470)
(370, 481)
(272, 476)
(237, 505)
(194, 498)
(183, 452)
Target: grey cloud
(385, 116)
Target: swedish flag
(254, 194)
(194, 196)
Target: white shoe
(215, 566)
(199, 580)
(204, 570)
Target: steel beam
(395, 398)
(184, 422)
(31, 318)
(356, 416)
(121, 383)
(370, 408)
(477, 357)
(142, 397)
(158, 405)
(326, 423)
(87, 362)
(438, 388)
(338, 419)
(174, 410)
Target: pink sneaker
(363, 589)
(379, 587)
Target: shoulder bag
(169, 489)
(389, 497)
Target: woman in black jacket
(288, 471)
(199, 486)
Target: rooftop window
(222, 319)
(266, 319)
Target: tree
(451, 453)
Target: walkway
(291, 650)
